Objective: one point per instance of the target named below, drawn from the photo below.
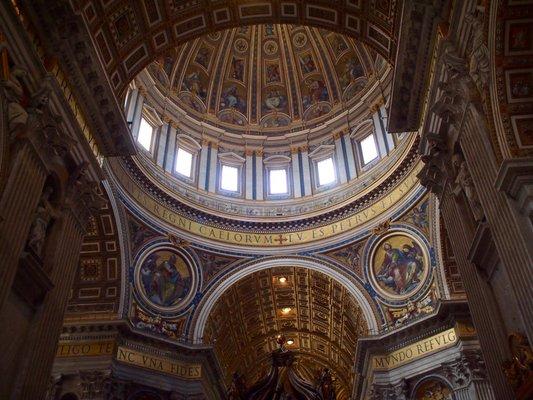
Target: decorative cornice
(515, 178)
(281, 226)
(64, 36)
(415, 46)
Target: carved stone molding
(92, 383)
(515, 178)
(458, 374)
(54, 387)
(476, 364)
(398, 391)
(65, 37)
(468, 367)
(82, 196)
(417, 35)
(478, 52)
(483, 251)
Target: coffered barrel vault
(319, 317)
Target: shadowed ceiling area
(314, 311)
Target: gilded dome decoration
(273, 77)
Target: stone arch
(211, 296)
(130, 35)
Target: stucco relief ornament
(450, 104)
(432, 175)
(92, 383)
(460, 85)
(463, 181)
(390, 392)
(458, 373)
(56, 140)
(13, 92)
(479, 66)
(83, 191)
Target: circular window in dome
(166, 279)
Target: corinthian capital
(398, 391)
(83, 195)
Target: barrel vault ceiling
(314, 311)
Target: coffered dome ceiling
(266, 78)
(262, 98)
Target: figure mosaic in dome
(165, 278)
(399, 265)
(202, 57)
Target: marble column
(490, 239)
(39, 350)
(467, 375)
(512, 233)
(60, 263)
(295, 163)
(484, 308)
(341, 161)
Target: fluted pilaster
(512, 236)
(17, 205)
(39, 353)
(484, 309)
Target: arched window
(183, 162)
(369, 149)
(229, 178)
(230, 175)
(186, 158)
(324, 170)
(277, 175)
(146, 133)
(278, 181)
